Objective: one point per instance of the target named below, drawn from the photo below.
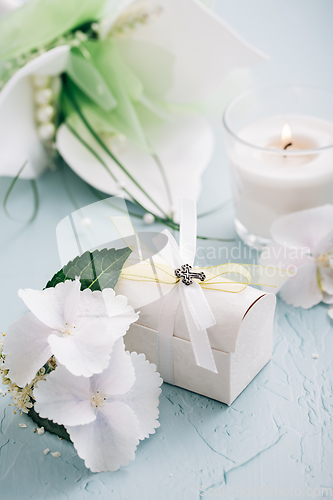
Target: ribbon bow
(197, 312)
(174, 268)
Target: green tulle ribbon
(110, 95)
(39, 22)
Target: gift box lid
(229, 310)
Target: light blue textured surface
(278, 434)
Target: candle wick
(287, 145)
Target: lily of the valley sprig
(304, 241)
(113, 86)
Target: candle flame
(286, 134)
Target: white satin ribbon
(197, 312)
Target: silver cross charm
(186, 275)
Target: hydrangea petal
(303, 229)
(116, 305)
(110, 308)
(143, 398)
(119, 376)
(49, 305)
(302, 289)
(86, 352)
(64, 398)
(26, 348)
(110, 441)
(72, 301)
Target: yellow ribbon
(164, 274)
(230, 277)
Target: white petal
(19, 140)
(64, 398)
(303, 229)
(111, 309)
(183, 145)
(119, 376)
(326, 278)
(282, 257)
(110, 441)
(9, 5)
(195, 36)
(327, 299)
(49, 305)
(26, 348)
(86, 352)
(112, 11)
(302, 290)
(325, 245)
(143, 397)
(72, 301)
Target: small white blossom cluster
(106, 398)
(22, 396)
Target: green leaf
(97, 270)
(49, 425)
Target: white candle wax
(267, 185)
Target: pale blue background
(278, 433)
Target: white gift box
(213, 339)
(241, 340)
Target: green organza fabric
(110, 94)
(38, 22)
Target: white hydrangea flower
(78, 328)
(304, 240)
(105, 415)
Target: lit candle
(280, 164)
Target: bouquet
(115, 88)
(65, 365)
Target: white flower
(182, 57)
(109, 413)
(78, 328)
(304, 240)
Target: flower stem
(167, 222)
(106, 149)
(165, 180)
(35, 193)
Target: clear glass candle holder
(280, 149)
